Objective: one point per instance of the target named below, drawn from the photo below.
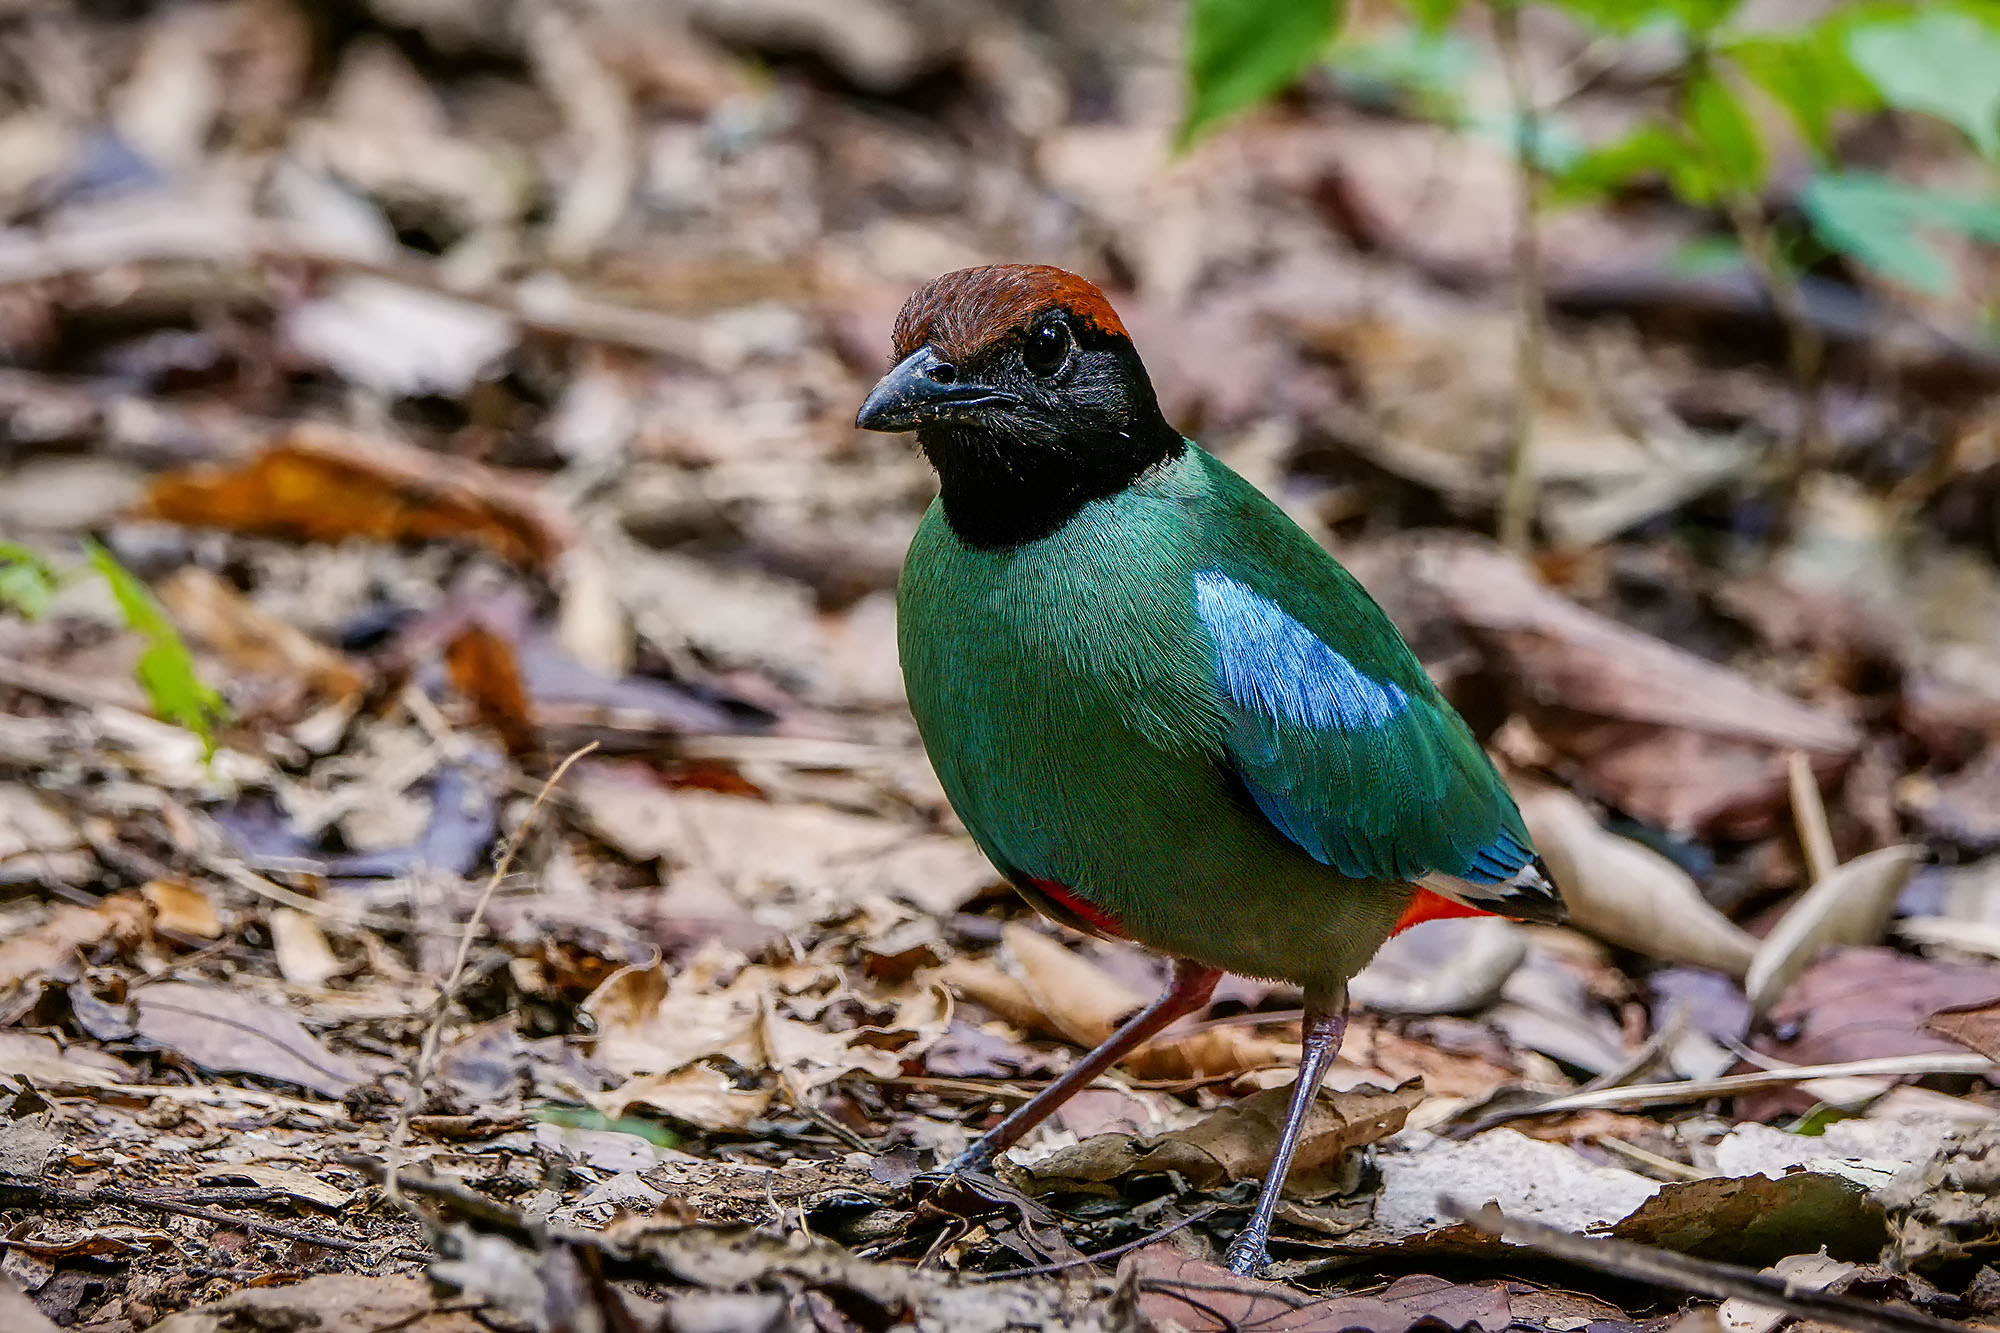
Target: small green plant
(166, 669)
(27, 581)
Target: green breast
(1066, 694)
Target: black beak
(922, 390)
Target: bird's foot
(1250, 1251)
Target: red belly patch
(1428, 906)
(1066, 906)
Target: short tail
(1526, 895)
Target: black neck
(1001, 492)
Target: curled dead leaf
(1236, 1142)
(1628, 894)
(1851, 906)
(324, 485)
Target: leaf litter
(469, 382)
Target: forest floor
(567, 931)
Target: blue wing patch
(1271, 664)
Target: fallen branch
(1696, 1277)
(55, 1196)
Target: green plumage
(1069, 694)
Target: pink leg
(1326, 1020)
(1188, 991)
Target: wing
(1358, 759)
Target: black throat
(1000, 493)
(1016, 478)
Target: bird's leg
(1325, 1021)
(1189, 990)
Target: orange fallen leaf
(320, 484)
(484, 669)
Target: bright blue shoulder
(1268, 663)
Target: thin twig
(1517, 501)
(1809, 814)
(1693, 1090)
(427, 1053)
(1081, 1260)
(58, 1197)
(1697, 1277)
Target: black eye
(1047, 347)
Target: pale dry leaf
(1812, 1272)
(697, 1094)
(300, 1185)
(1850, 906)
(183, 907)
(1546, 1182)
(329, 1303)
(1237, 1142)
(70, 929)
(1082, 1000)
(303, 955)
(1628, 894)
(400, 340)
(37, 841)
(226, 1031)
(214, 614)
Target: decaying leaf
(1628, 894)
(652, 1023)
(226, 1031)
(183, 907)
(1850, 906)
(216, 616)
(1179, 1291)
(1856, 1004)
(323, 485)
(1947, 1207)
(483, 669)
(1662, 734)
(304, 957)
(1757, 1220)
(70, 929)
(1236, 1143)
(330, 1303)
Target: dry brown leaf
(323, 485)
(226, 1031)
(38, 843)
(1973, 1026)
(304, 957)
(71, 928)
(483, 669)
(1180, 1291)
(1662, 734)
(697, 1094)
(1850, 906)
(1236, 1142)
(1628, 894)
(300, 1185)
(762, 1017)
(183, 907)
(330, 1303)
(1080, 999)
(212, 613)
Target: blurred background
(397, 396)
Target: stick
(1517, 501)
(56, 1196)
(1042, 1270)
(1697, 1277)
(1809, 814)
(427, 1053)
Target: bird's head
(1026, 395)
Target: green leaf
(1434, 14)
(1731, 149)
(1706, 256)
(27, 580)
(1649, 150)
(1624, 16)
(1945, 63)
(1421, 70)
(1874, 220)
(1806, 71)
(1241, 52)
(166, 669)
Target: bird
(1160, 708)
